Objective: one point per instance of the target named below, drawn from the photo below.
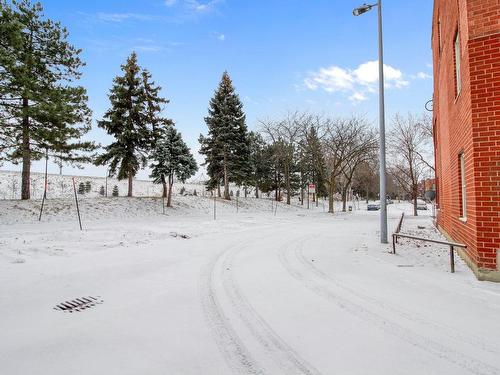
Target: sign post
(311, 189)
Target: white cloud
(170, 3)
(358, 82)
(423, 75)
(120, 17)
(358, 97)
(199, 6)
(221, 37)
(330, 79)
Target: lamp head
(362, 9)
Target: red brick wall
(485, 90)
(469, 123)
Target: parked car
(375, 206)
(421, 205)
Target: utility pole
(383, 193)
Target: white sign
(312, 189)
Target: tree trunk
(226, 180)
(331, 190)
(288, 184)
(344, 200)
(130, 178)
(330, 200)
(302, 188)
(26, 152)
(170, 184)
(256, 191)
(164, 183)
(218, 189)
(414, 194)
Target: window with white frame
(457, 64)
(463, 189)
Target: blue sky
(281, 54)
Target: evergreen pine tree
(172, 159)
(128, 122)
(40, 106)
(260, 163)
(154, 108)
(226, 147)
(115, 191)
(88, 186)
(153, 112)
(315, 161)
(101, 191)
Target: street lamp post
(383, 195)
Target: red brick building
(466, 57)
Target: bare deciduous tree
(362, 147)
(341, 136)
(407, 144)
(284, 135)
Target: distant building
(466, 57)
(429, 184)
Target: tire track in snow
(234, 350)
(288, 361)
(317, 286)
(448, 331)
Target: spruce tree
(154, 108)
(40, 106)
(115, 192)
(259, 163)
(154, 103)
(128, 122)
(313, 152)
(172, 159)
(226, 147)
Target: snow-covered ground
(257, 291)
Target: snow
(253, 292)
(61, 186)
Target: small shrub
(101, 191)
(183, 190)
(88, 187)
(115, 191)
(195, 193)
(81, 188)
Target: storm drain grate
(78, 304)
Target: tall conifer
(172, 158)
(226, 147)
(41, 109)
(131, 120)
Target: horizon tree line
(45, 113)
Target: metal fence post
(77, 207)
(452, 259)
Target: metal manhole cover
(78, 304)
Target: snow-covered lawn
(299, 292)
